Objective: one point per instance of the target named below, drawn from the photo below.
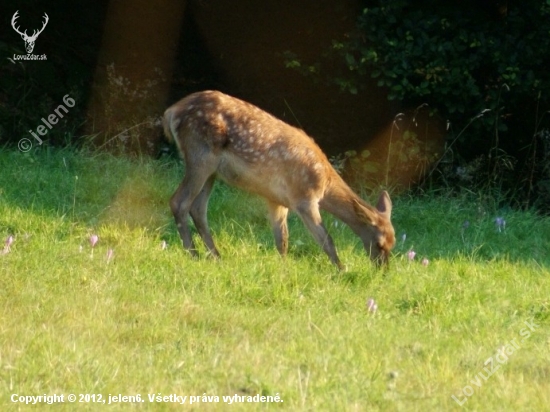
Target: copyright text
(138, 398)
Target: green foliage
(484, 71)
(455, 58)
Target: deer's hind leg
(200, 169)
(199, 215)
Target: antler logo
(29, 40)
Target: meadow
(461, 325)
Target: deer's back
(256, 151)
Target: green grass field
(152, 321)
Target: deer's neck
(338, 201)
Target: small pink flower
(93, 240)
(411, 254)
(425, 262)
(7, 245)
(371, 305)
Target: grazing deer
(246, 147)
(29, 40)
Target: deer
(220, 136)
(29, 40)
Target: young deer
(220, 135)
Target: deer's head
(379, 236)
(29, 40)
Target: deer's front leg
(310, 215)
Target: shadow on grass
(91, 189)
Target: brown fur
(246, 147)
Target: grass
(153, 321)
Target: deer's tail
(170, 123)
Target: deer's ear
(365, 214)
(384, 205)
